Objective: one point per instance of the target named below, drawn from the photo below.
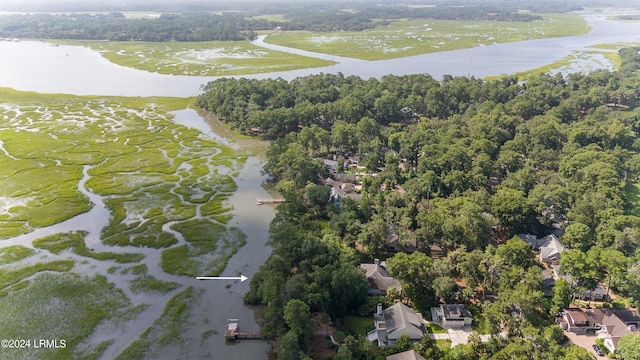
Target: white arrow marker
(241, 278)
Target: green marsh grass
(414, 37)
(213, 58)
(10, 276)
(131, 150)
(75, 242)
(60, 306)
(149, 284)
(164, 331)
(208, 249)
(13, 253)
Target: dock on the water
(234, 333)
(261, 201)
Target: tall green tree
(629, 347)
(415, 275)
(298, 318)
(560, 297)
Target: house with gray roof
(599, 293)
(406, 355)
(548, 247)
(394, 322)
(379, 278)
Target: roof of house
(550, 247)
(406, 355)
(594, 316)
(455, 311)
(530, 239)
(379, 278)
(628, 316)
(347, 186)
(337, 194)
(400, 320)
(598, 291)
(616, 328)
(548, 282)
(393, 239)
(576, 316)
(330, 163)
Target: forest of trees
(114, 26)
(477, 163)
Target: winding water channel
(38, 66)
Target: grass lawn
(633, 197)
(443, 344)
(358, 325)
(435, 328)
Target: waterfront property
(394, 322)
(234, 333)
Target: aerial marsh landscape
(212, 58)
(414, 37)
(132, 184)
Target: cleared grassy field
(414, 37)
(212, 58)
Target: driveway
(585, 341)
(458, 336)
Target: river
(41, 67)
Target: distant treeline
(114, 26)
(252, 5)
(191, 26)
(370, 17)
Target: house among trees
(451, 315)
(394, 322)
(548, 247)
(607, 323)
(379, 278)
(406, 355)
(395, 244)
(342, 186)
(599, 293)
(332, 165)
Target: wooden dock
(234, 333)
(261, 201)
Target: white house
(451, 315)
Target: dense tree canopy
(455, 180)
